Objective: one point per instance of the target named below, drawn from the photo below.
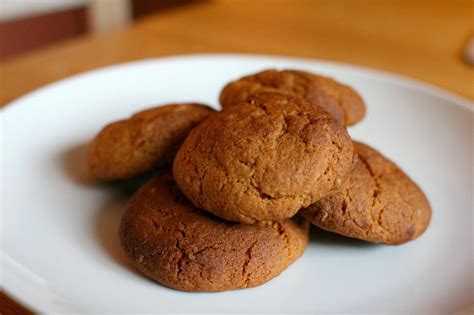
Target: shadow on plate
(321, 237)
(74, 161)
(109, 214)
(106, 230)
(107, 222)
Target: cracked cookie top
(378, 203)
(147, 140)
(182, 247)
(338, 99)
(264, 159)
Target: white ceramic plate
(60, 249)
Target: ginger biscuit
(378, 203)
(147, 140)
(263, 160)
(182, 247)
(338, 99)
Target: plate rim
(392, 77)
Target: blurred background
(26, 25)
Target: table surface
(419, 40)
(422, 40)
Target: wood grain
(422, 40)
(8, 306)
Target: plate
(60, 249)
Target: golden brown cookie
(184, 248)
(377, 203)
(263, 160)
(338, 99)
(147, 140)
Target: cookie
(147, 140)
(182, 247)
(263, 160)
(377, 203)
(338, 99)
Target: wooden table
(423, 41)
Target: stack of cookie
(234, 209)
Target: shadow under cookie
(320, 237)
(74, 164)
(106, 224)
